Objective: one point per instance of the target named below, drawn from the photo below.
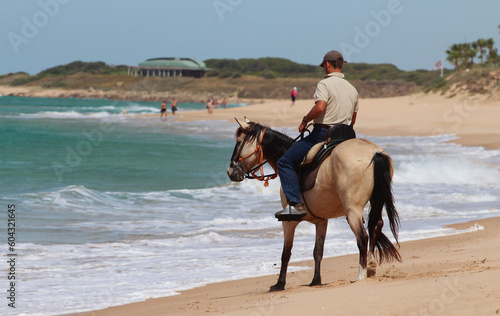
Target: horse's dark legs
(372, 263)
(288, 234)
(355, 220)
(318, 251)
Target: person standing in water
(173, 106)
(163, 111)
(208, 105)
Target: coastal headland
(246, 89)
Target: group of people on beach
(163, 110)
(211, 104)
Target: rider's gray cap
(333, 55)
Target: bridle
(252, 173)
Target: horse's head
(247, 151)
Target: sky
(411, 34)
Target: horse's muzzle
(236, 172)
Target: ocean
(113, 209)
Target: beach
(452, 275)
(456, 274)
(470, 118)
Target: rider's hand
(302, 127)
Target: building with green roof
(169, 67)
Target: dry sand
(452, 275)
(474, 120)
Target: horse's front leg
(318, 250)
(288, 234)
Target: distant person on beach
(224, 103)
(216, 104)
(294, 94)
(163, 111)
(208, 105)
(336, 103)
(173, 106)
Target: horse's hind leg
(372, 262)
(318, 250)
(288, 234)
(355, 220)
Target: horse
(357, 172)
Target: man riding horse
(336, 102)
(356, 172)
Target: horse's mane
(274, 142)
(252, 131)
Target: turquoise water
(52, 143)
(113, 209)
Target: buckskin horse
(356, 172)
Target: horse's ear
(243, 125)
(246, 119)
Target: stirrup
(292, 214)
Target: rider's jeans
(292, 159)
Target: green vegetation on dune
(247, 66)
(283, 68)
(463, 55)
(253, 78)
(389, 72)
(96, 68)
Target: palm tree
(480, 45)
(453, 55)
(494, 58)
(489, 44)
(464, 53)
(470, 51)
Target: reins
(252, 173)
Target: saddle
(319, 152)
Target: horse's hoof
(315, 283)
(276, 288)
(371, 273)
(371, 269)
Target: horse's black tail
(382, 195)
